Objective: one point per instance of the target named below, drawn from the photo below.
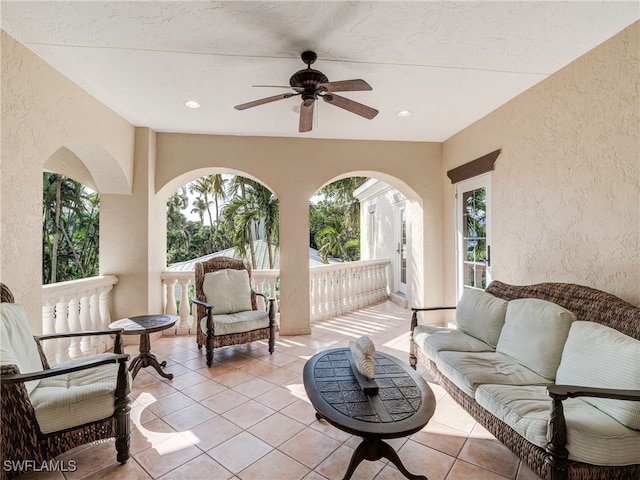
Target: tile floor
(247, 417)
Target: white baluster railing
(76, 305)
(343, 287)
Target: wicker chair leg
(123, 427)
(272, 327)
(209, 350)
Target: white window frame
(461, 187)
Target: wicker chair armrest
(267, 299)
(55, 371)
(561, 392)
(87, 333)
(429, 309)
(204, 304)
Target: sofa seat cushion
(534, 333)
(432, 339)
(76, 398)
(592, 436)
(468, 370)
(599, 356)
(237, 322)
(481, 315)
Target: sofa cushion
(17, 346)
(76, 398)
(592, 436)
(432, 339)
(227, 290)
(239, 322)
(481, 315)
(599, 356)
(534, 333)
(469, 370)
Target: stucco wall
(566, 188)
(41, 112)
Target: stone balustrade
(343, 287)
(73, 306)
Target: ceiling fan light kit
(311, 84)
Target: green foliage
(334, 221)
(70, 230)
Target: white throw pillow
(534, 333)
(600, 356)
(228, 291)
(481, 315)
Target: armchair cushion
(534, 333)
(76, 398)
(239, 322)
(17, 346)
(228, 290)
(481, 315)
(599, 356)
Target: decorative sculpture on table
(363, 352)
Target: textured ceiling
(450, 63)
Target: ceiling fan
(310, 85)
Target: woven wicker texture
(21, 436)
(213, 265)
(589, 305)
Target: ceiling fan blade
(351, 106)
(289, 87)
(262, 101)
(356, 85)
(306, 117)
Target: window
(473, 232)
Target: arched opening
(220, 214)
(384, 261)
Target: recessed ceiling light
(191, 104)
(404, 113)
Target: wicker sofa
(517, 376)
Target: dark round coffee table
(403, 404)
(143, 325)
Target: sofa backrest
(587, 303)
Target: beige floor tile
(89, 460)
(167, 456)
(212, 433)
(300, 410)
(309, 447)
(239, 452)
(276, 429)
(189, 417)
(525, 473)
(201, 467)
(254, 387)
(204, 390)
(465, 471)
(170, 403)
(129, 471)
(277, 398)
(441, 437)
(233, 378)
(274, 465)
(419, 459)
(248, 414)
(490, 455)
(223, 401)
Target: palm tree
(203, 187)
(267, 209)
(199, 207)
(217, 189)
(239, 212)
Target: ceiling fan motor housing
(307, 79)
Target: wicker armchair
(39, 421)
(227, 310)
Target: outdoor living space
(248, 417)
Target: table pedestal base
(147, 359)
(375, 449)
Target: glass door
(473, 239)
